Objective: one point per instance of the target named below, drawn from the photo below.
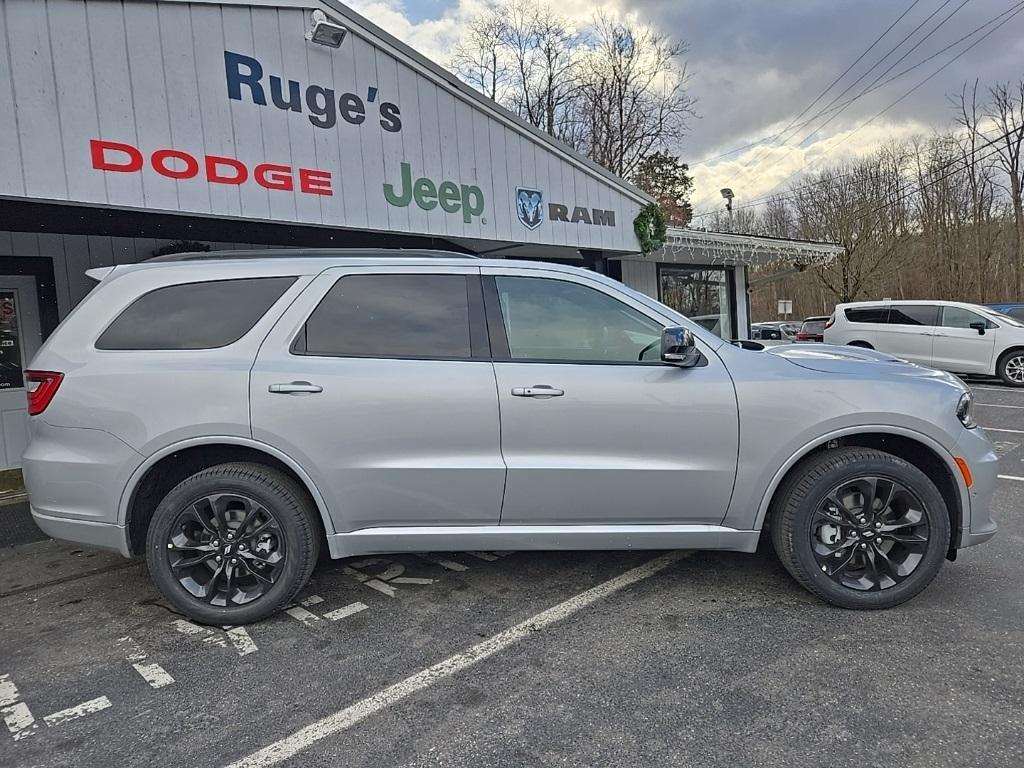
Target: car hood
(856, 361)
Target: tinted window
(194, 315)
(557, 320)
(1017, 313)
(813, 326)
(868, 315)
(913, 314)
(392, 316)
(958, 317)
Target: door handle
(537, 390)
(295, 388)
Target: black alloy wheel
(860, 528)
(226, 549)
(233, 543)
(869, 533)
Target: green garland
(650, 228)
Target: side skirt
(376, 541)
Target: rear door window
(423, 316)
(868, 315)
(194, 315)
(914, 314)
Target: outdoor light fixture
(728, 195)
(325, 32)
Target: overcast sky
(756, 64)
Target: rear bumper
(74, 478)
(86, 532)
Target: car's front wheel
(860, 528)
(1010, 368)
(233, 543)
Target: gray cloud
(755, 63)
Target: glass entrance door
(20, 338)
(702, 293)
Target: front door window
(559, 320)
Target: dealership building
(134, 128)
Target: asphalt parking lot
(514, 659)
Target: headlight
(964, 410)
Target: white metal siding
(152, 75)
(641, 275)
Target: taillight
(831, 320)
(46, 385)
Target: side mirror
(979, 326)
(679, 348)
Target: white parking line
(311, 600)
(998, 429)
(300, 613)
(995, 389)
(241, 640)
(997, 405)
(1011, 477)
(73, 713)
(16, 714)
(486, 556)
(348, 610)
(188, 628)
(451, 565)
(346, 718)
(155, 675)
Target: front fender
(765, 495)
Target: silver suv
(229, 414)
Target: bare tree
(978, 177)
(634, 93)
(479, 58)
(1006, 111)
(615, 90)
(859, 206)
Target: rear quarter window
(194, 315)
(868, 315)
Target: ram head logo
(529, 204)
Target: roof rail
(305, 253)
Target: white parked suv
(949, 335)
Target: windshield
(813, 326)
(1006, 319)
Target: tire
(802, 517)
(1010, 368)
(272, 560)
(861, 344)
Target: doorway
(20, 339)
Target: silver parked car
(228, 414)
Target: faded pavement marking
(346, 718)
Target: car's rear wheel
(1010, 368)
(232, 544)
(860, 528)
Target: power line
(851, 85)
(1013, 11)
(820, 95)
(991, 142)
(870, 89)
